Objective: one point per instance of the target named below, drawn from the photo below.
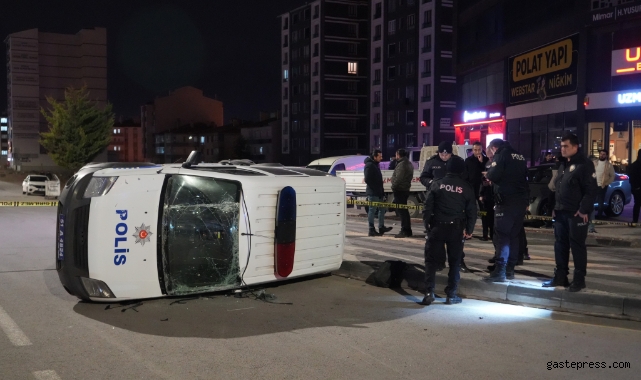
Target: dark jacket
(449, 199)
(508, 172)
(576, 186)
(474, 172)
(403, 175)
(486, 190)
(634, 172)
(434, 169)
(373, 178)
(392, 164)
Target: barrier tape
(29, 204)
(480, 213)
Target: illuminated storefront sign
(479, 124)
(547, 72)
(467, 116)
(629, 97)
(488, 114)
(626, 61)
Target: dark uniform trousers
(400, 197)
(487, 220)
(508, 222)
(570, 232)
(442, 233)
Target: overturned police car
(140, 230)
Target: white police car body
(132, 231)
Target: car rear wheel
(413, 201)
(616, 204)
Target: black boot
(498, 274)
(509, 272)
(463, 268)
(453, 299)
(560, 279)
(578, 282)
(428, 299)
(526, 256)
(402, 234)
(383, 230)
(372, 232)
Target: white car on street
(34, 184)
(138, 230)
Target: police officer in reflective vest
(508, 173)
(449, 215)
(576, 189)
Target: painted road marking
(46, 375)
(15, 335)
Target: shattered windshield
(200, 234)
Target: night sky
(228, 48)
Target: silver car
(618, 195)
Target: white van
(332, 165)
(138, 230)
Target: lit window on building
(352, 67)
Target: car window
(338, 168)
(38, 178)
(323, 168)
(539, 175)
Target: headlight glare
(97, 288)
(99, 186)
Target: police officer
(508, 173)
(576, 189)
(434, 169)
(449, 215)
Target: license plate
(61, 237)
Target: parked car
(618, 195)
(339, 163)
(34, 184)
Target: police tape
(479, 213)
(28, 204)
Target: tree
(78, 129)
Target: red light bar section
(479, 122)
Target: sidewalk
(606, 236)
(614, 275)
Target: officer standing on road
(634, 171)
(449, 215)
(401, 183)
(576, 189)
(508, 173)
(375, 193)
(434, 170)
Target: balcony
(376, 104)
(285, 44)
(376, 126)
(315, 73)
(426, 49)
(427, 25)
(376, 82)
(315, 35)
(426, 99)
(315, 112)
(315, 92)
(377, 37)
(426, 74)
(377, 59)
(377, 15)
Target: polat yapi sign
(547, 72)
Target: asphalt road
(321, 328)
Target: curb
(601, 241)
(515, 292)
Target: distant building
(413, 85)
(184, 106)
(258, 143)
(126, 142)
(41, 65)
(324, 71)
(263, 139)
(4, 140)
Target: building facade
(325, 48)
(126, 142)
(413, 86)
(4, 140)
(184, 106)
(41, 65)
(263, 138)
(613, 90)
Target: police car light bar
(285, 232)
